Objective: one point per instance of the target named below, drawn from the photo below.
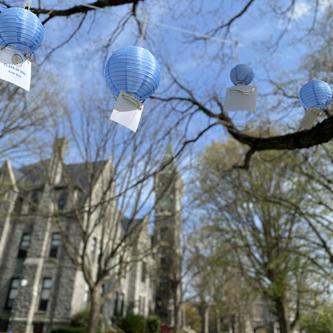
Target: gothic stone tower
(168, 191)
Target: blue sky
(76, 68)
(75, 71)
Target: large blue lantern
(241, 75)
(20, 30)
(316, 94)
(133, 70)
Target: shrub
(153, 324)
(70, 330)
(132, 323)
(80, 319)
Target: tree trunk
(94, 313)
(281, 315)
(176, 318)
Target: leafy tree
(320, 321)
(252, 229)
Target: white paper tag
(240, 98)
(127, 112)
(310, 117)
(19, 74)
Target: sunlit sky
(76, 68)
(74, 71)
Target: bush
(153, 324)
(70, 330)
(81, 319)
(132, 323)
(319, 322)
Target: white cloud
(300, 10)
(324, 4)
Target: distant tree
(318, 321)
(248, 217)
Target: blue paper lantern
(20, 29)
(316, 94)
(133, 70)
(241, 74)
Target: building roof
(76, 174)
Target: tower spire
(168, 163)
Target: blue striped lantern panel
(133, 70)
(21, 30)
(241, 74)
(316, 94)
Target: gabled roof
(76, 174)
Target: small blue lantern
(21, 30)
(241, 75)
(316, 94)
(133, 70)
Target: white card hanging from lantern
(243, 96)
(309, 119)
(127, 111)
(21, 33)
(133, 75)
(13, 70)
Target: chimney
(59, 148)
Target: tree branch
(83, 9)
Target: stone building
(40, 287)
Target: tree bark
(281, 315)
(94, 313)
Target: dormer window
(62, 200)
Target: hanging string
(27, 4)
(143, 30)
(235, 52)
(174, 28)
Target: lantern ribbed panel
(20, 29)
(316, 94)
(133, 70)
(241, 74)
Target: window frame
(62, 198)
(54, 249)
(23, 252)
(10, 301)
(44, 301)
(143, 272)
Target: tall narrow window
(115, 305)
(24, 246)
(38, 328)
(45, 294)
(62, 200)
(12, 292)
(55, 245)
(119, 304)
(143, 272)
(18, 205)
(34, 201)
(4, 325)
(122, 304)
